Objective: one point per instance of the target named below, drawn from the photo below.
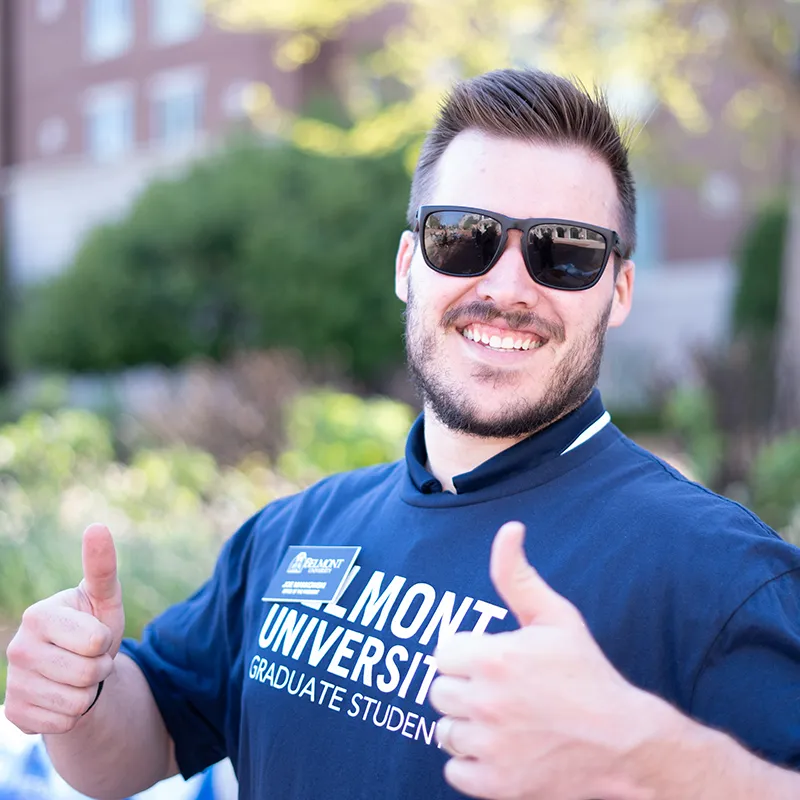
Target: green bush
(775, 482)
(332, 432)
(689, 412)
(255, 247)
(759, 266)
(169, 509)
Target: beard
(517, 417)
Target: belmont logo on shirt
(324, 567)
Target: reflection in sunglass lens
(460, 243)
(565, 256)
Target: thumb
(100, 583)
(522, 589)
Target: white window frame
(188, 21)
(111, 96)
(107, 34)
(177, 85)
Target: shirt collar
(524, 456)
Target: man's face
(468, 385)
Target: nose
(508, 283)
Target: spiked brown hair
(537, 107)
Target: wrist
(655, 751)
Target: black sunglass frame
(523, 225)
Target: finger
(61, 666)
(452, 735)
(76, 632)
(460, 654)
(33, 719)
(524, 592)
(472, 777)
(451, 696)
(100, 566)
(35, 691)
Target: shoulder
(709, 544)
(654, 488)
(332, 492)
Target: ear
(623, 294)
(402, 264)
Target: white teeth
(500, 343)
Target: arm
(541, 714)
(683, 760)
(121, 746)
(65, 646)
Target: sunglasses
(560, 254)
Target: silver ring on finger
(444, 733)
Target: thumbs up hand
(66, 644)
(538, 712)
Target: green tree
(256, 247)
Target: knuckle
(15, 652)
(494, 665)
(32, 616)
(98, 642)
(91, 672)
(484, 707)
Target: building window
(177, 107)
(108, 28)
(49, 10)
(173, 21)
(109, 122)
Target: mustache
(480, 311)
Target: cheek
(433, 294)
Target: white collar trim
(594, 428)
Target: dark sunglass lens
(565, 256)
(460, 243)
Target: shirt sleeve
(749, 684)
(190, 656)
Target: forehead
(523, 179)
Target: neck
(452, 453)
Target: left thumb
(523, 590)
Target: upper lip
(504, 326)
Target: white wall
(51, 206)
(677, 308)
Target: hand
(66, 645)
(538, 712)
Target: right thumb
(100, 583)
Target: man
(655, 652)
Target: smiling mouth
(513, 340)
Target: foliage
(169, 509)
(255, 247)
(774, 482)
(643, 51)
(690, 413)
(759, 265)
(330, 432)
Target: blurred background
(201, 203)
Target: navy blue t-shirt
(689, 595)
